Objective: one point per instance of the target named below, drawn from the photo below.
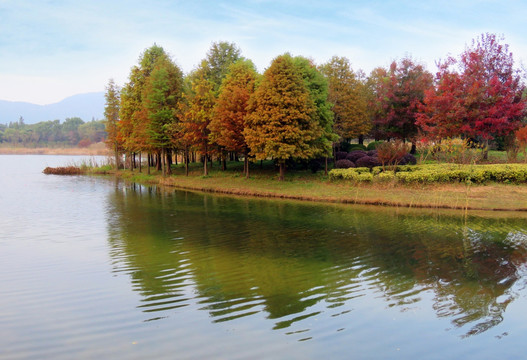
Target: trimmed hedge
(440, 173)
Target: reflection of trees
(248, 256)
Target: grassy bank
(92, 150)
(303, 185)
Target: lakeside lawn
(305, 185)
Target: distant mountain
(85, 106)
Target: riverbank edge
(94, 150)
(447, 197)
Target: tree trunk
(168, 170)
(158, 161)
(163, 167)
(326, 168)
(116, 153)
(413, 150)
(246, 163)
(140, 167)
(361, 139)
(186, 160)
(148, 163)
(282, 171)
(486, 149)
(206, 160)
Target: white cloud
(50, 50)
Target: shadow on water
(291, 261)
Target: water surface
(94, 268)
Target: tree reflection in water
(240, 257)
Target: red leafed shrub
(356, 155)
(521, 136)
(390, 153)
(339, 155)
(408, 159)
(84, 143)
(344, 164)
(368, 161)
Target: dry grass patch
(64, 170)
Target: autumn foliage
(297, 111)
(280, 122)
(478, 95)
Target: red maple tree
(478, 96)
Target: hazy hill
(86, 106)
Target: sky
(52, 49)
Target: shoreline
(93, 151)
(490, 197)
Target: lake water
(96, 268)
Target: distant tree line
(298, 110)
(72, 132)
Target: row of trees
(297, 110)
(72, 132)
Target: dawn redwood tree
(162, 96)
(198, 113)
(227, 125)
(220, 57)
(399, 96)
(317, 85)
(281, 112)
(348, 94)
(479, 95)
(111, 116)
(133, 112)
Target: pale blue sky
(51, 49)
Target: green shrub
(353, 147)
(386, 176)
(373, 145)
(437, 173)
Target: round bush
(373, 145)
(372, 153)
(353, 147)
(408, 159)
(341, 155)
(344, 164)
(356, 155)
(367, 161)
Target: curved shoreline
(499, 197)
(340, 201)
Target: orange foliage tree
(280, 122)
(198, 114)
(226, 127)
(349, 96)
(521, 136)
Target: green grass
(305, 185)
